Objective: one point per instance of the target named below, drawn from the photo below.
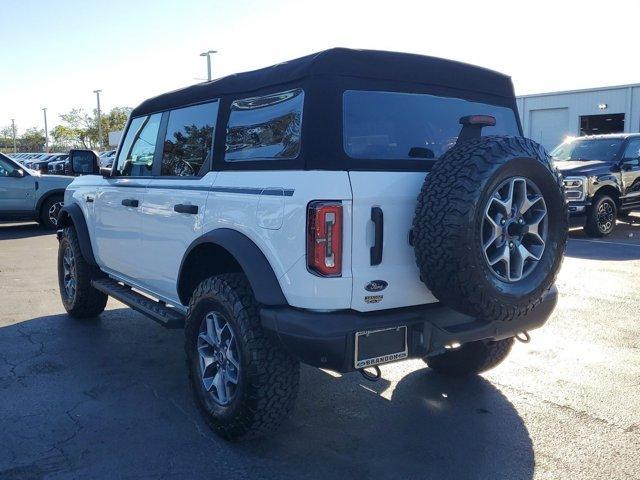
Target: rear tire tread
(270, 375)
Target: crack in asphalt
(186, 414)
(579, 413)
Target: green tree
(32, 140)
(80, 129)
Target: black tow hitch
(372, 377)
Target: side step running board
(165, 316)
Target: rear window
(409, 126)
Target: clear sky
(55, 53)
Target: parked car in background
(106, 158)
(57, 166)
(42, 164)
(601, 179)
(27, 195)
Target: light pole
(13, 128)
(208, 54)
(97, 92)
(46, 131)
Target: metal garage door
(549, 127)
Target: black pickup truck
(601, 179)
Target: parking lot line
(605, 241)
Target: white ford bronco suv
(343, 210)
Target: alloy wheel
(69, 272)
(514, 229)
(219, 358)
(54, 210)
(605, 216)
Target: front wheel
(471, 358)
(50, 210)
(601, 217)
(244, 383)
(79, 298)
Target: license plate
(374, 347)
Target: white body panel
(395, 193)
(145, 246)
(277, 225)
(166, 234)
(116, 228)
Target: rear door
(176, 195)
(630, 171)
(388, 132)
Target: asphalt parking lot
(109, 398)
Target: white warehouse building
(549, 118)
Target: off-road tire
(269, 376)
(87, 302)
(471, 358)
(591, 226)
(448, 219)
(45, 221)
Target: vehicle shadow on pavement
(622, 244)
(13, 231)
(109, 398)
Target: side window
(265, 128)
(136, 156)
(187, 143)
(632, 152)
(6, 168)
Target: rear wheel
(601, 217)
(49, 211)
(471, 358)
(244, 383)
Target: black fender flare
(45, 196)
(71, 215)
(255, 265)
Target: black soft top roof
(342, 62)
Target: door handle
(130, 202)
(378, 238)
(182, 208)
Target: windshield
(408, 126)
(585, 149)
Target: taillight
(324, 238)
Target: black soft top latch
(472, 126)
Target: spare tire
(490, 227)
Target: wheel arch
(224, 251)
(72, 216)
(610, 191)
(47, 196)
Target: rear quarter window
(408, 126)
(265, 128)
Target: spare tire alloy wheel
(219, 358)
(514, 229)
(490, 227)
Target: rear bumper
(327, 340)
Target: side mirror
(83, 162)
(17, 173)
